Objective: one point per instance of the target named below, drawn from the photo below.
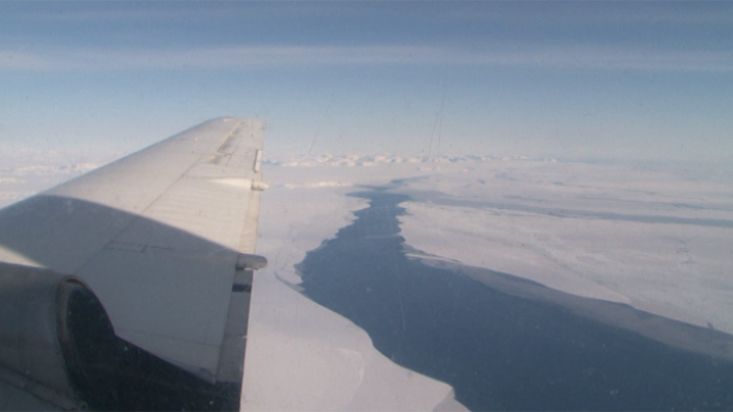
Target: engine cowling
(54, 336)
(57, 342)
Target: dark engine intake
(57, 343)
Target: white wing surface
(164, 238)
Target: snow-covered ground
(659, 239)
(24, 172)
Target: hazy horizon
(573, 80)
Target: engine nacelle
(57, 342)
(55, 338)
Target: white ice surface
(25, 172)
(509, 222)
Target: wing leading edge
(164, 238)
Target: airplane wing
(128, 287)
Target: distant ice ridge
(371, 160)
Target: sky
(589, 80)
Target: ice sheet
(658, 239)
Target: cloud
(248, 57)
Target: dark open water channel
(498, 351)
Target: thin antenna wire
(440, 121)
(437, 127)
(314, 140)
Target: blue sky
(574, 80)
